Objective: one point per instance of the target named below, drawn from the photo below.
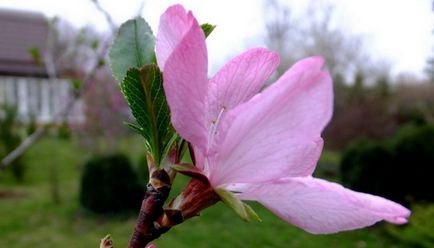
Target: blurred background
(80, 173)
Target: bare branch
(107, 16)
(140, 9)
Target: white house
(24, 83)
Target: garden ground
(30, 218)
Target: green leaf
(143, 90)
(76, 83)
(251, 213)
(134, 127)
(132, 47)
(36, 55)
(95, 43)
(207, 28)
(242, 209)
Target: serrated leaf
(207, 28)
(132, 47)
(143, 90)
(134, 127)
(243, 210)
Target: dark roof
(19, 32)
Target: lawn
(30, 218)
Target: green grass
(30, 218)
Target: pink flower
(262, 145)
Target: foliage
(413, 149)
(207, 28)
(132, 48)
(414, 102)
(399, 168)
(28, 212)
(10, 138)
(241, 208)
(376, 110)
(32, 125)
(109, 185)
(63, 131)
(143, 90)
(143, 169)
(419, 231)
(366, 166)
(131, 58)
(360, 111)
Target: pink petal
(174, 24)
(318, 206)
(277, 133)
(182, 55)
(239, 80)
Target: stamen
(213, 128)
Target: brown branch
(154, 220)
(156, 194)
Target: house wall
(40, 98)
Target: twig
(140, 9)
(106, 242)
(107, 16)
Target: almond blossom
(262, 145)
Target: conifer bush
(110, 185)
(399, 168)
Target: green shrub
(414, 156)
(143, 169)
(366, 166)
(399, 169)
(419, 231)
(10, 139)
(63, 131)
(110, 185)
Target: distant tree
(282, 33)
(429, 69)
(313, 33)
(382, 87)
(413, 102)
(105, 107)
(73, 49)
(361, 111)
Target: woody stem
(147, 228)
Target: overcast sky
(399, 31)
